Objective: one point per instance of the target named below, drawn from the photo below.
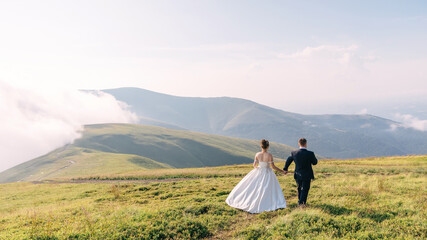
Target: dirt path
(145, 181)
(70, 162)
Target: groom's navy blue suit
(303, 171)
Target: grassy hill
(119, 148)
(373, 198)
(336, 136)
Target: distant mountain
(117, 148)
(337, 136)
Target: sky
(311, 57)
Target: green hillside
(118, 148)
(375, 198)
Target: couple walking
(260, 191)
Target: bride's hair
(265, 144)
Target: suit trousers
(303, 187)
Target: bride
(259, 190)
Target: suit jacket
(303, 161)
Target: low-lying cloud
(32, 123)
(410, 121)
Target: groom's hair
(302, 141)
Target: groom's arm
(288, 162)
(314, 160)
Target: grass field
(375, 198)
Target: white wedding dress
(258, 191)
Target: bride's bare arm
(276, 168)
(255, 161)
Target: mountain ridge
(330, 135)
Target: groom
(303, 170)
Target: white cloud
(410, 121)
(394, 126)
(363, 111)
(342, 55)
(33, 123)
(322, 50)
(209, 48)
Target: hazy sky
(294, 55)
(299, 56)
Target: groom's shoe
(302, 205)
